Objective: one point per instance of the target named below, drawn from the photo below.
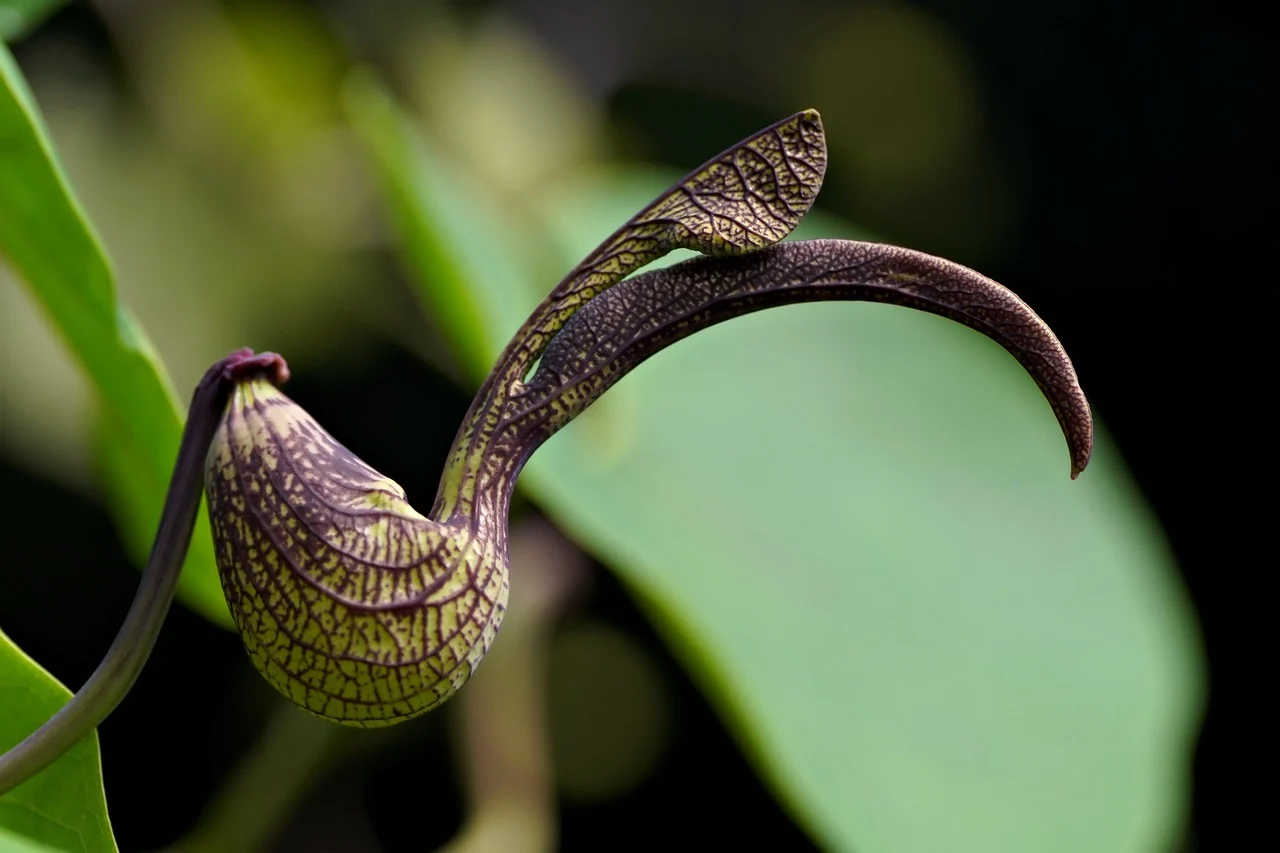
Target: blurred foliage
(911, 136)
(277, 773)
(503, 733)
(852, 523)
(610, 737)
(48, 242)
(18, 17)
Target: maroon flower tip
(244, 363)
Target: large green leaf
(855, 524)
(49, 243)
(62, 807)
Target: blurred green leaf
(62, 807)
(855, 524)
(19, 17)
(48, 241)
(468, 283)
(13, 843)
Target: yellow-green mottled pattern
(750, 196)
(349, 601)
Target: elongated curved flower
(364, 611)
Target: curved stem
(113, 678)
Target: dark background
(1134, 132)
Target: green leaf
(62, 807)
(463, 281)
(854, 523)
(19, 17)
(12, 843)
(48, 241)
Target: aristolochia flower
(364, 611)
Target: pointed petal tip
(1080, 456)
(812, 118)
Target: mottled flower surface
(364, 611)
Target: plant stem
(503, 740)
(261, 793)
(114, 677)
